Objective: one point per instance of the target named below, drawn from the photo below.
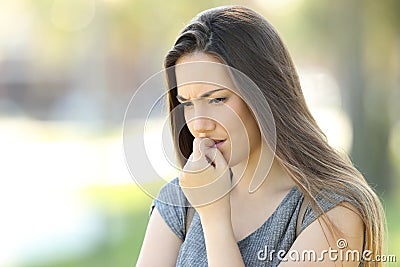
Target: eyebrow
(207, 94)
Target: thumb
(200, 145)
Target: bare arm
(160, 245)
(316, 236)
(207, 188)
(222, 249)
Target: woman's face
(214, 111)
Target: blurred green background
(68, 69)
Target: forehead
(200, 72)
(198, 90)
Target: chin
(227, 159)
(233, 161)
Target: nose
(203, 125)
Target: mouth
(218, 143)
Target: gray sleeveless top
(277, 233)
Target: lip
(219, 143)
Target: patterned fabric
(277, 233)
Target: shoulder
(334, 222)
(171, 203)
(164, 224)
(171, 194)
(318, 238)
(330, 202)
(347, 219)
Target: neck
(261, 173)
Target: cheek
(247, 119)
(247, 132)
(253, 129)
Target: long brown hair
(244, 40)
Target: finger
(199, 146)
(216, 157)
(195, 166)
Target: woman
(257, 201)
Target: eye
(217, 100)
(187, 104)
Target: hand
(205, 179)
